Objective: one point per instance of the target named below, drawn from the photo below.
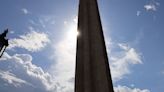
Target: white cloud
(63, 69)
(18, 72)
(123, 46)
(138, 13)
(152, 6)
(127, 89)
(32, 41)
(121, 61)
(25, 11)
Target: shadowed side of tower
(92, 68)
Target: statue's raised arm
(3, 35)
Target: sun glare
(73, 32)
(77, 33)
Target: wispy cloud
(25, 11)
(12, 79)
(121, 60)
(32, 41)
(73, 21)
(152, 6)
(127, 89)
(123, 46)
(138, 13)
(47, 21)
(44, 23)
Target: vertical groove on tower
(92, 68)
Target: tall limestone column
(92, 67)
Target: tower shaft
(92, 67)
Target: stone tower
(92, 67)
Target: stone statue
(3, 42)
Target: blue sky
(42, 37)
